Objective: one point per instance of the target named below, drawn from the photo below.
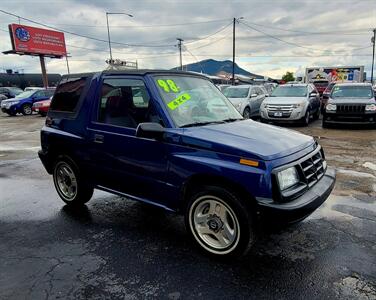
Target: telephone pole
(373, 53)
(233, 51)
(180, 57)
(233, 48)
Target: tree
(289, 76)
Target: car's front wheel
(69, 183)
(26, 109)
(247, 113)
(219, 222)
(306, 118)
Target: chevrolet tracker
(173, 140)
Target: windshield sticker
(168, 85)
(179, 101)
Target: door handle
(98, 138)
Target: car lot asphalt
(115, 248)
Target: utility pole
(180, 57)
(233, 48)
(373, 53)
(233, 51)
(66, 57)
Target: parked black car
(350, 103)
(10, 92)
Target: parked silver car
(292, 103)
(246, 99)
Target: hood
(351, 100)
(237, 100)
(247, 138)
(284, 100)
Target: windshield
(236, 92)
(16, 91)
(25, 94)
(194, 101)
(352, 92)
(289, 91)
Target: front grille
(285, 110)
(313, 168)
(342, 108)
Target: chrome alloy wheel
(214, 225)
(66, 181)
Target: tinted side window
(124, 102)
(68, 94)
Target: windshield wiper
(229, 120)
(201, 123)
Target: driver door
(120, 160)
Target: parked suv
(23, 102)
(246, 99)
(291, 103)
(158, 137)
(350, 103)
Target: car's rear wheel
(247, 113)
(219, 222)
(69, 183)
(26, 109)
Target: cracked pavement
(114, 248)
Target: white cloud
(343, 18)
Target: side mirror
(253, 95)
(150, 131)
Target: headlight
(287, 178)
(331, 107)
(297, 105)
(238, 106)
(371, 107)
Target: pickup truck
(172, 139)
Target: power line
(81, 35)
(281, 40)
(210, 35)
(147, 26)
(344, 32)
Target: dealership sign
(37, 41)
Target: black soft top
(135, 72)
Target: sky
(272, 37)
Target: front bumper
(302, 206)
(361, 118)
(292, 116)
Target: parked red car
(42, 107)
(320, 85)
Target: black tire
(26, 109)
(11, 114)
(324, 123)
(43, 114)
(306, 118)
(233, 214)
(66, 172)
(247, 113)
(316, 116)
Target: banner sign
(32, 40)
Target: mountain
(215, 67)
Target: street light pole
(108, 28)
(373, 53)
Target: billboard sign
(37, 41)
(335, 74)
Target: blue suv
(173, 140)
(23, 102)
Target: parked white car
(292, 103)
(246, 99)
